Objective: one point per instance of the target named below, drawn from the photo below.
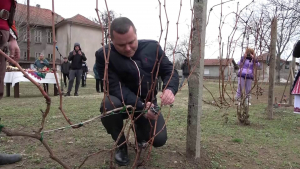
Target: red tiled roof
(38, 16)
(215, 62)
(266, 56)
(82, 20)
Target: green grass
(263, 144)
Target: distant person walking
(185, 72)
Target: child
(65, 67)
(246, 74)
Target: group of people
(131, 64)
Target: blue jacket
(40, 65)
(96, 72)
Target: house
(284, 72)
(68, 31)
(212, 68)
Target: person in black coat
(185, 72)
(76, 57)
(130, 63)
(65, 67)
(85, 71)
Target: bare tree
(105, 19)
(258, 27)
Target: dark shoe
(121, 156)
(67, 94)
(76, 94)
(9, 158)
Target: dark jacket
(185, 69)
(76, 59)
(129, 71)
(65, 67)
(40, 65)
(84, 67)
(96, 73)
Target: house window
(50, 56)
(206, 71)
(25, 37)
(25, 55)
(37, 55)
(49, 37)
(38, 36)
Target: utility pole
(272, 67)
(196, 80)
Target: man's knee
(160, 139)
(110, 103)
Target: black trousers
(99, 81)
(65, 76)
(83, 78)
(114, 125)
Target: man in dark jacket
(77, 57)
(130, 63)
(85, 71)
(65, 67)
(185, 72)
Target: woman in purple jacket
(246, 74)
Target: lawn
(264, 144)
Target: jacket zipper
(139, 76)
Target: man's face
(126, 44)
(77, 48)
(41, 57)
(65, 60)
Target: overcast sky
(144, 14)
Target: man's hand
(79, 52)
(150, 115)
(14, 49)
(74, 53)
(41, 61)
(167, 97)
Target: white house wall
(90, 41)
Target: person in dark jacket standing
(65, 67)
(185, 71)
(98, 80)
(77, 57)
(130, 63)
(85, 71)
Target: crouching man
(130, 62)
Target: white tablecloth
(15, 77)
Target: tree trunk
(196, 81)
(272, 67)
(278, 68)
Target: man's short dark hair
(121, 25)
